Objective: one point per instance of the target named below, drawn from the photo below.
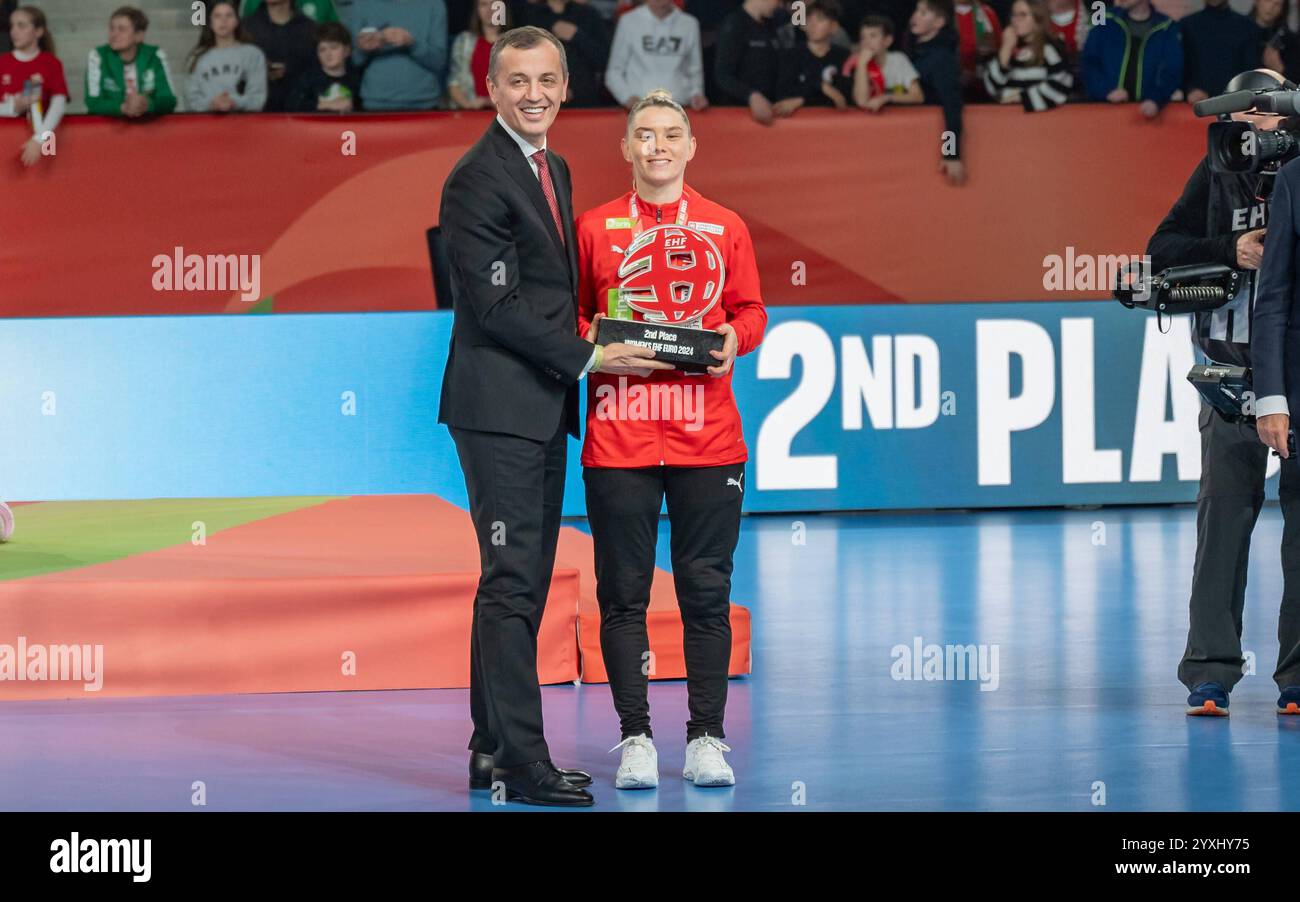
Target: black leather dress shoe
(540, 783)
(480, 773)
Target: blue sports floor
(1086, 611)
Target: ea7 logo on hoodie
(665, 45)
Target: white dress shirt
(1270, 405)
(525, 146)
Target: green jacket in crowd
(106, 80)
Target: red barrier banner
(234, 214)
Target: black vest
(1237, 202)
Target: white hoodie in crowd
(650, 52)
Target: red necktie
(544, 176)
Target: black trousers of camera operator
(1233, 461)
(704, 522)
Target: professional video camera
(1242, 146)
(1190, 289)
(1234, 148)
(1178, 289)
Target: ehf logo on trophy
(670, 277)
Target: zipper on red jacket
(662, 442)
(659, 218)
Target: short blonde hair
(661, 98)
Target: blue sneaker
(1289, 701)
(1208, 699)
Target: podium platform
(246, 595)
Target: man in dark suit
(510, 397)
(1275, 324)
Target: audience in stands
(897, 11)
(812, 73)
(979, 35)
(881, 75)
(774, 56)
(334, 85)
(657, 45)
(32, 82)
(626, 6)
(747, 64)
(934, 53)
(1030, 67)
(609, 9)
(467, 77)
(583, 33)
(709, 13)
(1136, 55)
(227, 70)
(403, 49)
(840, 34)
(1281, 49)
(285, 35)
(316, 10)
(852, 12)
(127, 77)
(1217, 44)
(1070, 21)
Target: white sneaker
(639, 768)
(705, 765)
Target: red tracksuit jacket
(703, 428)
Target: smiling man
(510, 398)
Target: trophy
(671, 275)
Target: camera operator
(1220, 218)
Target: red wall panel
(854, 201)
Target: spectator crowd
(774, 57)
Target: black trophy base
(686, 349)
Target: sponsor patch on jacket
(618, 222)
(711, 227)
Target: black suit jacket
(515, 351)
(1275, 321)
